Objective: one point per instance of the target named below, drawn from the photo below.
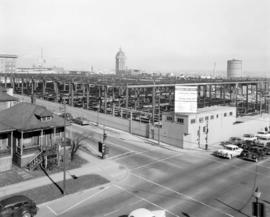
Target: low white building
(194, 130)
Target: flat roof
(204, 110)
(8, 56)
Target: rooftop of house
(5, 128)
(26, 117)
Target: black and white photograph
(134, 108)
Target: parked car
(263, 134)
(236, 141)
(68, 116)
(18, 206)
(81, 121)
(229, 151)
(254, 154)
(267, 148)
(249, 137)
(142, 212)
(263, 140)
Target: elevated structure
(120, 63)
(8, 63)
(234, 69)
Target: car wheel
(26, 214)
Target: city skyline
(155, 35)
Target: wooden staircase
(36, 161)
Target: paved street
(184, 183)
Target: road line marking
(148, 201)
(120, 155)
(109, 213)
(182, 194)
(156, 161)
(51, 209)
(138, 153)
(82, 201)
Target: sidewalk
(106, 168)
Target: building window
(217, 115)
(212, 117)
(193, 121)
(206, 118)
(180, 120)
(169, 118)
(204, 129)
(201, 120)
(225, 114)
(231, 113)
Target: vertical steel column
(22, 86)
(264, 95)
(224, 93)
(43, 88)
(13, 82)
(247, 98)
(32, 86)
(204, 94)
(210, 95)
(87, 95)
(236, 98)
(230, 88)
(71, 93)
(99, 98)
(55, 85)
(105, 99)
(256, 95)
(127, 94)
(5, 81)
(153, 103)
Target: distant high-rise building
(8, 63)
(234, 68)
(120, 62)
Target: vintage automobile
(255, 153)
(81, 121)
(18, 205)
(264, 134)
(249, 137)
(229, 151)
(236, 141)
(263, 140)
(142, 212)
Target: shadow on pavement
(45, 172)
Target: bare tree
(79, 140)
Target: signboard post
(185, 99)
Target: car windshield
(248, 135)
(229, 148)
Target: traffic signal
(100, 147)
(258, 209)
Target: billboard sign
(185, 99)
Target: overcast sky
(160, 35)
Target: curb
(101, 187)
